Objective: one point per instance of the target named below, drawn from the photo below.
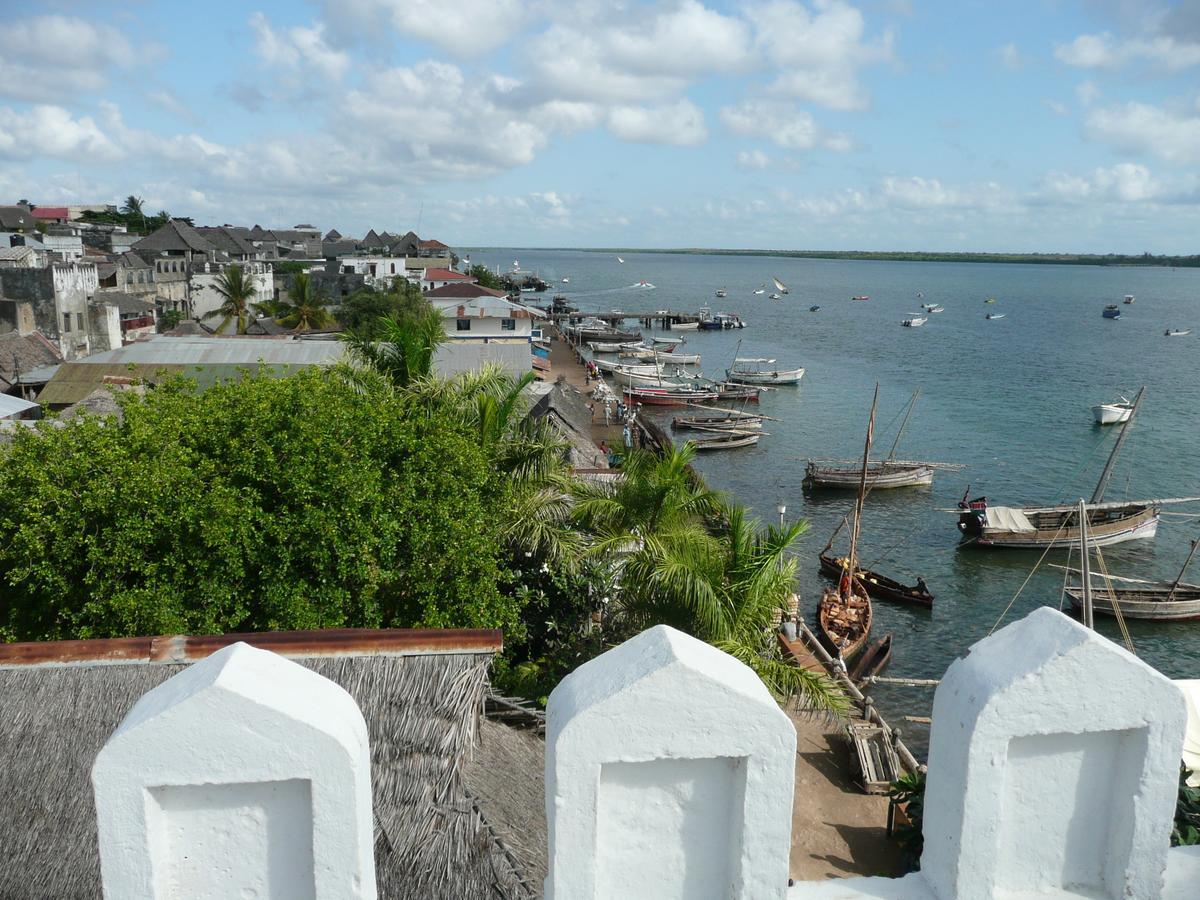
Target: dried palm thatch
(422, 712)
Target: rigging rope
(1112, 595)
(1028, 577)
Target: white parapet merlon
(245, 775)
(669, 776)
(1053, 770)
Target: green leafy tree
(363, 311)
(484, 276)
(237, 290)
(401, 350)
(305, 310)
(263, 503)
(169, 319)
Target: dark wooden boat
(844, 620)
(716, 423)
(874, 659)
(1152, 602)
(879, 586)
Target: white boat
(1113, 413)
(636, 379)
(761, 291)
(685, 326)
(620, 260)
(566, 281)
(605, 365)
(780, 286)
(721, 292)
(1129, 299)
(915, 322)
(644, 285)
(994, 316)
(774, 297)
(933, 307)
(667, 341)
(604, 346)
(747, 370)
(1177, 332)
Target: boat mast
(1102, 485)
(1179, 577)
(852, 559)
(1085, 567)
(899, 434)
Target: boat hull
(844, 628)
(667, 398)
(725, 442)
(879, 476)
(874, 659)
(790, 376)
(685, 326)
(1149, 604)
(877, 585)
(1140, 523)
(1111, 413)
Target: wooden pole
(1085, 566)
(1102, 485)
(1179, 577)
(852, 559)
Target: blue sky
(1064, 125)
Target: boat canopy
(1008, 518)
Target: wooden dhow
(881, 474)
(746, 370)
(1153, 601)
(844, 616)
(1039, 527)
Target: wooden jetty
(663, 318)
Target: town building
(483, 327)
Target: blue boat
(1112, 311)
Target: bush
(260, 504)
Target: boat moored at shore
(748, 370)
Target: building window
(393, 268)
(508, 324)
(464, 324)
(66, 321)
(79, 321)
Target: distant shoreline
(1048, 259)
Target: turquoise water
(1008, 398)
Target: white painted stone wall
(74, 285)
(204, 296)
(669, 774)
(245, 775)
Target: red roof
(463, 291)
(51, 212)
(432, 245)
(444, 275)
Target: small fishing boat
(644, 285)
(666, 341)
(727, 420)
(685, 326)
(1177, 332)
(780, 286)
(641, 353)
(774, 297)
(1129, 299)
(990, 316)
(605, 346)
(722, 322)
(607, 365)
(861, 297)
(620, 260)
(728, 390)
(874, 659)
(879, 586)
(728, 441)
(1112, 311)
(748, 370)
(729, 428)
(813, 308)
(933, 307)
(760, 291)
(684, 359)
(655, 396)
(639, 379)
(566, 281)
(1113, 413)
(915, 321)
(721, 292)
(990, 300)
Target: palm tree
(238, 291)
(134, 206)
(402, 351)
(305, 310)
(687, 558)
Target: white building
(483, 327)
(204, 296)
(432, 279)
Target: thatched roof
(422, 709)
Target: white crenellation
(245, 775)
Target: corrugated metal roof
(205, 350)
(13, 406)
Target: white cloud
(1104, 51)
(817, 54)
(680, 124)
(1010, 57)
(783, 123)
(1148, 130)
(52, 131)
(1087, 92)
(56, 57)
(298, 48)
(464, 28)
(753, 159)
(915, 192)
(1124, 183)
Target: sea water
(1008, 398)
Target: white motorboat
(990, 316)
(933, 307)
(746, 370)
(1113, 413)
(915, 321)
(774, 297)
(1129, 299)
(685, 326)
(1177, 332)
